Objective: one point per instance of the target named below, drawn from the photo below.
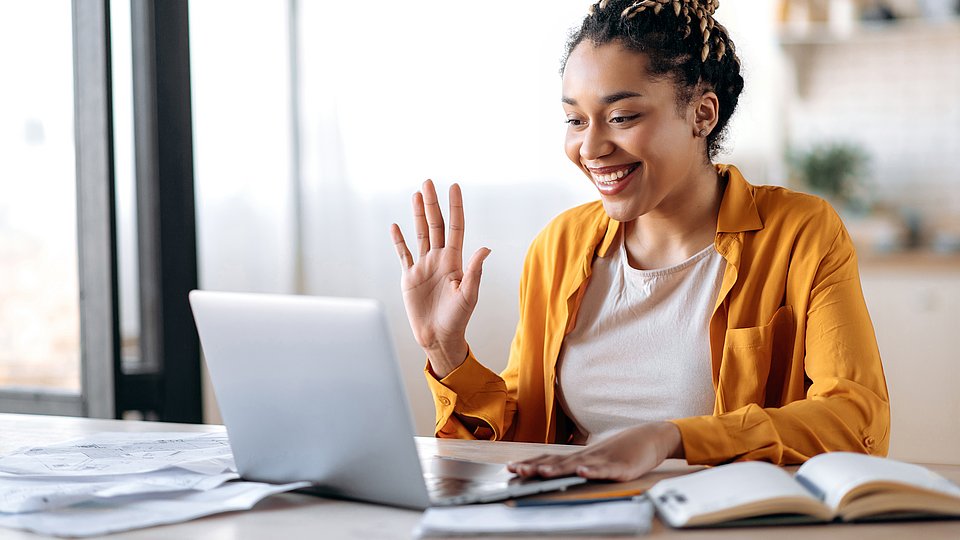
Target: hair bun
(702, 8)
(710, 6)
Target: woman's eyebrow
(615, 97)
(608, 100)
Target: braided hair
(681, 40)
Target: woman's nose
(596, 144)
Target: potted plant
(837, 172)
(834, 170)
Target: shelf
(871, 31)
(919, 260)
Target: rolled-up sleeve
(471, 391)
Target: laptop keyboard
(445, 491)
(459, 491)
(452, 481)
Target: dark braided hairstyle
(681, 40)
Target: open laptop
(309, 389)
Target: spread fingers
(431, 206)
(420, 224)
(406, 259)
(456, 218)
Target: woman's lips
(612, 180)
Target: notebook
(834, 486)
(309, 389)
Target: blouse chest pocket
(749, 356)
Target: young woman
(688, 313)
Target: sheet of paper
(33, 494)
(124, 453)
(138, 511)
(621, 517)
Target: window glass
(125, 182)
(39, 291)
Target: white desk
(292, 515)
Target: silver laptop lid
(309, 389)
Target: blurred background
(314, 122)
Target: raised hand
(438, 292)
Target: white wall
(894, 92)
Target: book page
(730, 492)
(836, 474)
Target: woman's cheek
(572, 148)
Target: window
(56, 217)
(39, 289)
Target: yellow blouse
(794, 357)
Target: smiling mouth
(615, 176)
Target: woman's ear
(706, 111)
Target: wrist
(673, 441)
(444, 358)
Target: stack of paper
(121, 481)
(629, 517)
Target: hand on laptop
(438, 292)
(622, 457)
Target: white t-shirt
(640, 350)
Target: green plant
(834, 170)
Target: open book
(839, 486)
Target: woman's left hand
(622, 457)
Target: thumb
(470, 284)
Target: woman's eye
(622, 119)
(574, 121)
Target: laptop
(309, 389)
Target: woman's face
(625, 131)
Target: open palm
(439, 293)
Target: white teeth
(611, 178)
